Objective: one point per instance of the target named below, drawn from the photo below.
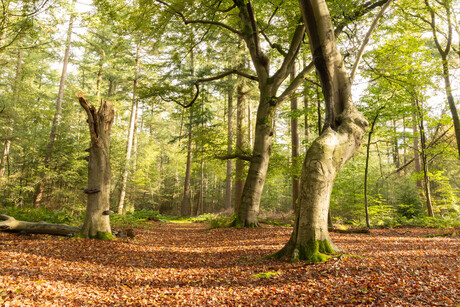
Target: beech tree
(342, 134)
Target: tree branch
(359, 12)
(295, 83)
(289, 59)
(202, 80)
(194, 21)
(234, 156)
(366, 40)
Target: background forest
(146, 58)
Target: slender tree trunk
(423, 154)
(344, 129)
(228, 180)
(451, 101)
(186, 206)
(240, 144)
(295, 144)
(200, 205)
(131, 132)
(366, 169)
(97, 223)
(9, 134)
(417, 167)
(395, 146)
(57, 115)
(249, 124)
(306, 105)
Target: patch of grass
(447, 234)
(265, 275)
(419, 221)
(214, 220)
(137, 219)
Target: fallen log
(10, 224)
(360, 230)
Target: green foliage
(138, 218)
(214, 220)
(60, 216)
(265, 275)
(104, 236)
(408, 202)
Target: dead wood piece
(360, 230)
(86, 158)
(10, 224)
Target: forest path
(189, 264)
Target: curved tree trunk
(342, 135)
(99, 173)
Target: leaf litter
(183, 265)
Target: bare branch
(359, 12)
(198, 21)
(295, 83)
(234, 156)
(202, 80)
(366, 39)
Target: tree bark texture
(131, 132)
(341, 136)
(99, 171)
(295, 146)
(185, 205)
(228, 179)
(240, 144)
(8, 223)
(268, 102)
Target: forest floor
(191, 265)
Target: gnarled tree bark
(99, 173)
(342, 134)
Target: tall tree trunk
(417, 167)
(9, 134)
(240, 144)
(97, 223)
(228, 179)
(295, 145)
(342, 135)
(132, 124)
(57, 115)
(200, 205)
(306, 105)
(366, 169)
(185, 205)
(450, 100)
(423, 154)
(395, 146)
(444, 52)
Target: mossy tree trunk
(99, 173)
(342, 134)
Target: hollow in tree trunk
(97, 223)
